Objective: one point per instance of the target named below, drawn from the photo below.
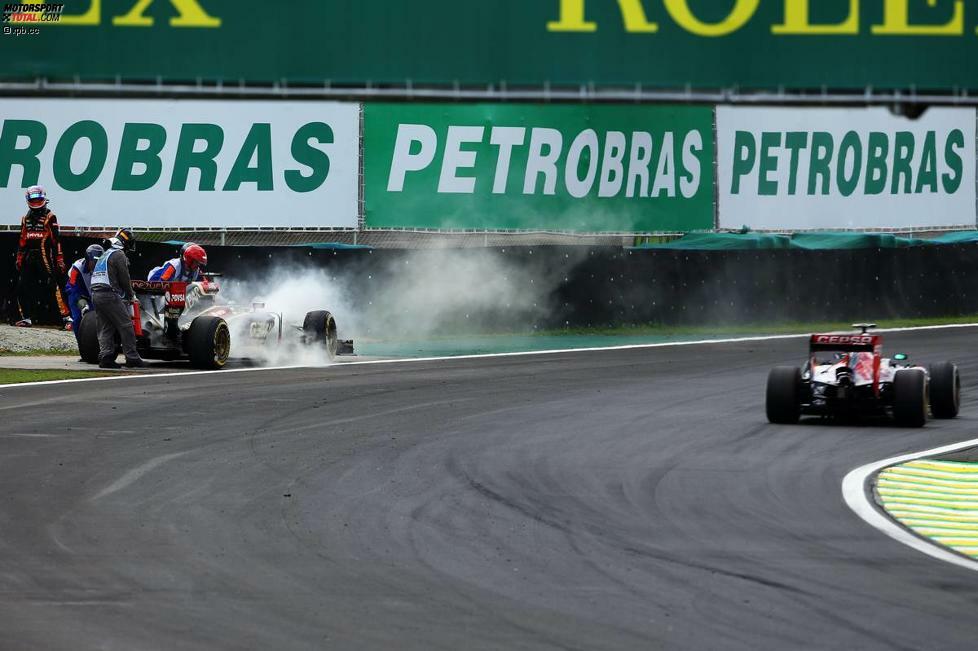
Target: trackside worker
(188, 267)
(79, 282)
(112, 295)
(40, 262)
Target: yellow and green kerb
(935, 499)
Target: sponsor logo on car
(843, 339)
(150, 285)
(260, 330)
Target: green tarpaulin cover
(810, 241)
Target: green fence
(770, 44)
(504, 166)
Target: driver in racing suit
(40, 262)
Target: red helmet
(36, 197)
(194, 257)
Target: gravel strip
(25, 340)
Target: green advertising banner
(846, 45)
(590, 168)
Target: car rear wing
(861, 343)
(162, 287)
(174, 292)
(156, 287)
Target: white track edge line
(407, 360)
(855, 491)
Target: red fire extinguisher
(137, 322)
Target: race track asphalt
(593, 500)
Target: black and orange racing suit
(41, 266)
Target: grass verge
(39, 352)
(754, 328)
(19, 376)
(651, 330)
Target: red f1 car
(846, 375)
(179, 320)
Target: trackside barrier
(605, 286)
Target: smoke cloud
(455, 292)
(414, 295)
(291, 292)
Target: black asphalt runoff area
(593, 500)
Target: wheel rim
(957, 390)
(331, 342)
(926, 401)
(222, 343)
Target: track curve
(596, 500)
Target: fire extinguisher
(137, 322)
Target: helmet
(194, 257)
(185, 246)
(36, 197)
(125, 236)
(94, 252)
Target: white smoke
(416, 295)
(454, 292)
(291, 292)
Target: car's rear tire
(320, 329)
(945, 390)
(910, 397)
(208, 342)
(88, 348)
(783, 403)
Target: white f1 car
(846, 375)
(179, 320)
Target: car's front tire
(783, 400)
(320, 329)
(910, 397)
(945, 390)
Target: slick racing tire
(910, 397)
(945, 390)
(320, 330)
(208, 342)
(88, 348)
(783, 402)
